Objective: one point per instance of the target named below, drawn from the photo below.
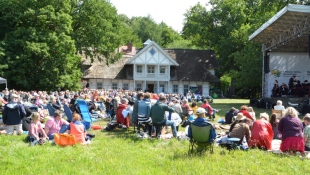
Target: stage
(268, 103)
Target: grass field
(119, 152)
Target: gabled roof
(194, 64)
(150, 44)
(287, 31)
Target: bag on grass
(185, 123)
(111, 126)
(64, 139)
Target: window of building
(114, 85)
(175, 88)
(150, 69)
(99, 85)
(138, 86)
(162, 69)
(139, 69)
(200, 89)
(185, 89)
(125, 86)
(162, 88)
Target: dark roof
(194, 64)
(118, 70)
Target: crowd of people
(151, 113)
(260, 133)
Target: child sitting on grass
(77, 129)
(36, 131)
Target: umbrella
(3, 81)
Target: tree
(146, 28)
(225, 29)
(96, 29)
(36, 45)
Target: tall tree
(96, 29)
(36, 45)
(226, 27)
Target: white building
(155, 69)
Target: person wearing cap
(13, 114)
(229, 116)
(240, 128)
(201, 121)
(262, 134)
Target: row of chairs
(86, 116)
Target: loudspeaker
(266, 62)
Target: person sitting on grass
(291, 129)
(55, 125)
(229, 116)
(201, 121)
(274, 123)
(157, 114)
(36, 132)
(77, 129)
(307, 132)
(120, 118)
(262, 134)
(241, 129)
(244, 111)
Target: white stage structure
(285, 42)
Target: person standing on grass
(185, 110)
(13, 114)
(201, 121)
(262, 134)
(307, 132)
(291, 129)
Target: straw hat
(240, 116)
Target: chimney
(129, 47)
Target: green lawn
(119, 152)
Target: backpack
(111, 126)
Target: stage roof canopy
(287, 31)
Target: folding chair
(85, 113)
(50, 109)
(68, 113)
(34, 108)
(200, 139)
(278, 112)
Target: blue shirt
(202, 122)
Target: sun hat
(240, 116)
(200, 111)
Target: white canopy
(287, 31)
(3, 81)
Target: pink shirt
(35, 129)
(54, 125)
